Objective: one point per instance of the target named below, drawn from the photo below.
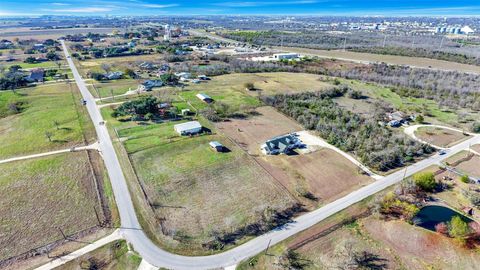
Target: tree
(52, 56)
(441, 228)
(249, 86)
(30, 60)
(465, 179)
(425, 181)
(56, 124)
(169, 78)
(458, 228)
(476, 127)
(420, 119)
(49, 135)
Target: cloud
(265, 3)
(60, 4)
(159, 6)
(80, 10)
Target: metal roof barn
(188, 128)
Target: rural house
(281, 144)
(149, 84)
(36, 75)
(204, 97)
(188, 128)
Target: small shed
(188, 128)
(204, 98)
(185, 111)
(216, 146)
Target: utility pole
(384, 41)
(405, 173)
(413, 42)
(345, 44)
(268, 246)
(441, 42)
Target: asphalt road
(160, 258)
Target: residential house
(281, 144)
(286, 56)
(149, 84)
(36, 75)
(114, 75)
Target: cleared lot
(466, 163)
(440, 136)
(324, 173)
(201, 199)
(41, 198)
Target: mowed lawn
(40, 196)
(440, 136)
(24, 133)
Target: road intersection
(133, 233)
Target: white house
(188, 128)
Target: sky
(241, 7)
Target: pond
(429, 216)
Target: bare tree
(49, 135)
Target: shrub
(425, 181)
(249, 86)
(458, 228)
(465, 179)
(420, 119)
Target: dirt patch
(419, 248)
(44, 198)
(440, 136)
(251, 133)
(476, 147)
(314, 178)
(469, 165)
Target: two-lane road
(160, 258)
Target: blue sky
(234, 7)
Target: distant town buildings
(465, 30)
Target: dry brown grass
(390, 59)
(39, 197)
(324, 173)
(439, 136)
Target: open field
(23, 130)
(467, 163)
(105, 89)
(112, 256)
(323, 173)
(390, 245)
(440, 136)
(46, 64)
(195, 191)
(390, 59)
(56, 192)
(25, 32)
(252, 132)
(476, 147)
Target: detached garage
(188, 128)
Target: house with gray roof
(281, 145)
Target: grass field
(47, 64)
(439, 136)
(195, 190)
(112, 256)
(105, 89)
(40, 196)
(24, 133)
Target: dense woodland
(376, 145)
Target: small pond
(431, 215)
